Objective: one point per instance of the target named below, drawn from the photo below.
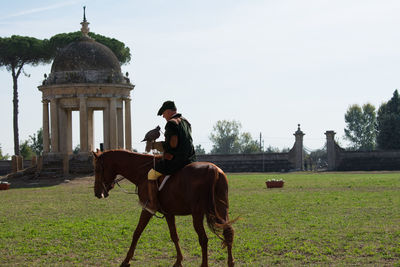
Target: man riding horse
(177, 149)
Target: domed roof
(85, 54)
(85, 61)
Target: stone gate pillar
(299, 148)
(331, 150)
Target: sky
(269, 65)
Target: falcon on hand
(150, 139)
(152, 135)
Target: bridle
(99, 165)
(114, 182)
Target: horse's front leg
(203, 239)
(175, 239)
(145, 217)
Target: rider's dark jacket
(177, 157)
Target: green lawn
(325, 219)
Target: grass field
(338, 219)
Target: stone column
(128, 129)
(106, 126)
(331, 150)
(46, 134)
(54, 125)
(113, 123)
(83, 124)
(299, 149)
(90, 130)
(69, 131)
(120, 123)
(62, 129)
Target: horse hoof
(177, 265)
(125, 264)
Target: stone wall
(342, 160)
(54, 166)
(261, 162)
(368, 161)
(257, 162)
(6, 166)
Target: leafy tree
(16, 52)
(227, 139)
(25, 150)
(271, 149)
(199, 150)
(3, 157)
(59, 41)
(361, 126)
(36, 142)
(248, 144)
(388, 126)
(285, 150)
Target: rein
(116, 181)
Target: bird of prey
(152, 135)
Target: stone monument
(85, 76)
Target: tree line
(367, 129)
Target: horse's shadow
(31, 181)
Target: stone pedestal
(14, 163)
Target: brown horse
(199, 189)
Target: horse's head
(104, 176)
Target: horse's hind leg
(203, 239)
(175, 239)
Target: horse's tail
(217, 214)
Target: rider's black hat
(166, 105)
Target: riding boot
(152, 205)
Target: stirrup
(144, 206)
(152, 212)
